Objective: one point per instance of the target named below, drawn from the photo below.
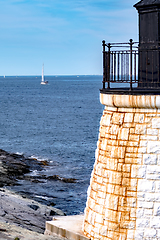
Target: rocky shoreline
(26, 214)
(13, 167)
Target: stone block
(123, 143)
(150, 159)
(134, 137)
(157, 209)
(99, 218)
(132, 160)
(110, 188)
(110, 215)
(156, 123)
(105, 120)
(148, 212)
(158, 234)
(112, 142)
(114, 129)
(128, 117)
(103, 144)
(153, 176)
(132, 150)
(150, 197)
(131, 202)
(139, 212)
(138, 171)
(142, 150)
(117, 118)
(157, 197)
(143, 143)
(124, 216)
(117, 190)
(123, 134)
(120, 166)
(133, 212)
(118, 152)
(125, 182)
(112, 202)
(115, 178)
(128, 225)
(126, 175)
(132, 144)
(146, 185)
(131, 194)
(101, 195)
(143, 204)
(113, 163)
(98, 209)
(154, 169)
(133, 183)
(139, 118)
(158, 160)
(103, 231)
(140, 129)
(91, 217)
(100, 201)
(152, 131)
(142, 223)
(113, 235)
(155, 222)
(153, 147)
(132, 130)
(113, 226)
(158, 186)
(150, 233)
(149, 137)
(141, 196)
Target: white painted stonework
(124, 193)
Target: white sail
(43, 82)
(43, 73)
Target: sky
(65, 35)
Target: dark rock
(52, 204)
(34, 207)
(14, 166)
(66, 180)
(25, 212)
(45, 163)
(52, 213)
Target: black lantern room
(134, 67)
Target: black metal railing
(130, 68)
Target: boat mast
(43, 73)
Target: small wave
(42, 197)
(19, 153)
(40, 159)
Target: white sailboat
(42, 81)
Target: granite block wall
(124, 193)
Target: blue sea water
(58, 122)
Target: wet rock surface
(13, 232)
(23, 212)
(13, 167)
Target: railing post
(131, 43)
(108, 64)
(104, 64)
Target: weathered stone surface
(25, 212)
(124, 197)
(13, 232)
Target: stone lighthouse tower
(124, 194)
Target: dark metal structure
(135, 65)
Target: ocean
(59, 123)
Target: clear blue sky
(65, 35)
